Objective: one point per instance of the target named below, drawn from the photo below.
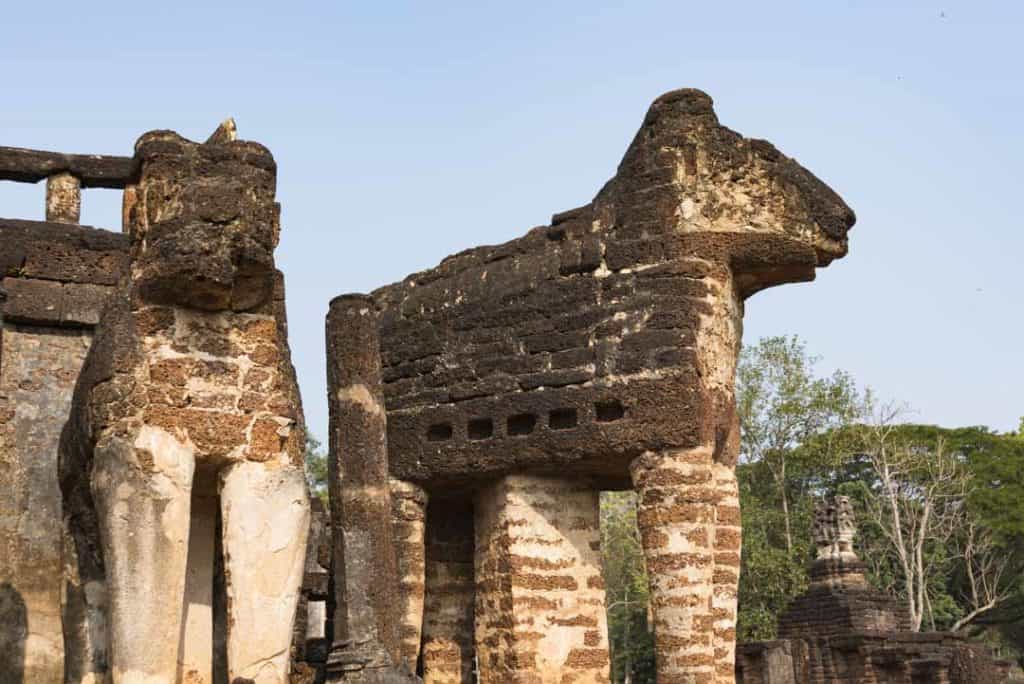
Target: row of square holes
(525, 423)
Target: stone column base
(540, 613)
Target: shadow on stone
(13, 631)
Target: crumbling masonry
(594, 353)
(844, 631)
(180, 461)
(477, 410)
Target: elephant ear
(225, 133)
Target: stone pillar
(63, 198)
(448, 649)
(409, 511)
(540, 613)
(726, 575)
(366, 616)
(693, 600)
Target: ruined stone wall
(612, 331)
(310, 638)
(540, 594)
(598, 349)
(38, 373)
(869, 658)
(56, 278)
(842, 630)
(518, 357)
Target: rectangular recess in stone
(439, 432)
(563, 419)
(521, 424)
(480, 428)
(609, 411)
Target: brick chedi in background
(839, 599)
(594, 353)
(844, 631)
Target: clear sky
(408, 131)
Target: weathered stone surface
(839, 599)
(82, 304)
(94, 171)
(209, 226)
(623, 302)
(409, 516)
(843, 631)
(540, 612)
(368, 611)
(61, 252)
(35, 302)
(38, 367)
(310, 643)
(181, 462)
(602, 348)
(51, 303)
(57, 275)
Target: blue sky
(407, 131)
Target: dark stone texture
(47, 302)
(62, 252)
(210, 235)
(839, 601)
(602, 305)
(933, 657)
(38, 368)
(94, 171)
(37, 302)
(844, 631)
(366, 645)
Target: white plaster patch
(360, 394)
(170, 456)
(687, 208)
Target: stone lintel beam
(93, 170)
(366, 643)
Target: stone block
(30, 301)
(83, 304)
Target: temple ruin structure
(844, 631)
(56, 276)
(151, 431)
(594, 353)
(170, 422)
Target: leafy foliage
(316, 468)
(632, 643)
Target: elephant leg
(728, 537)
(142, 492)
(676, 516)
(265, 521)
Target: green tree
(790, 420)
(316, 467)
(782, 405)
(632, 644)
(942, 522)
